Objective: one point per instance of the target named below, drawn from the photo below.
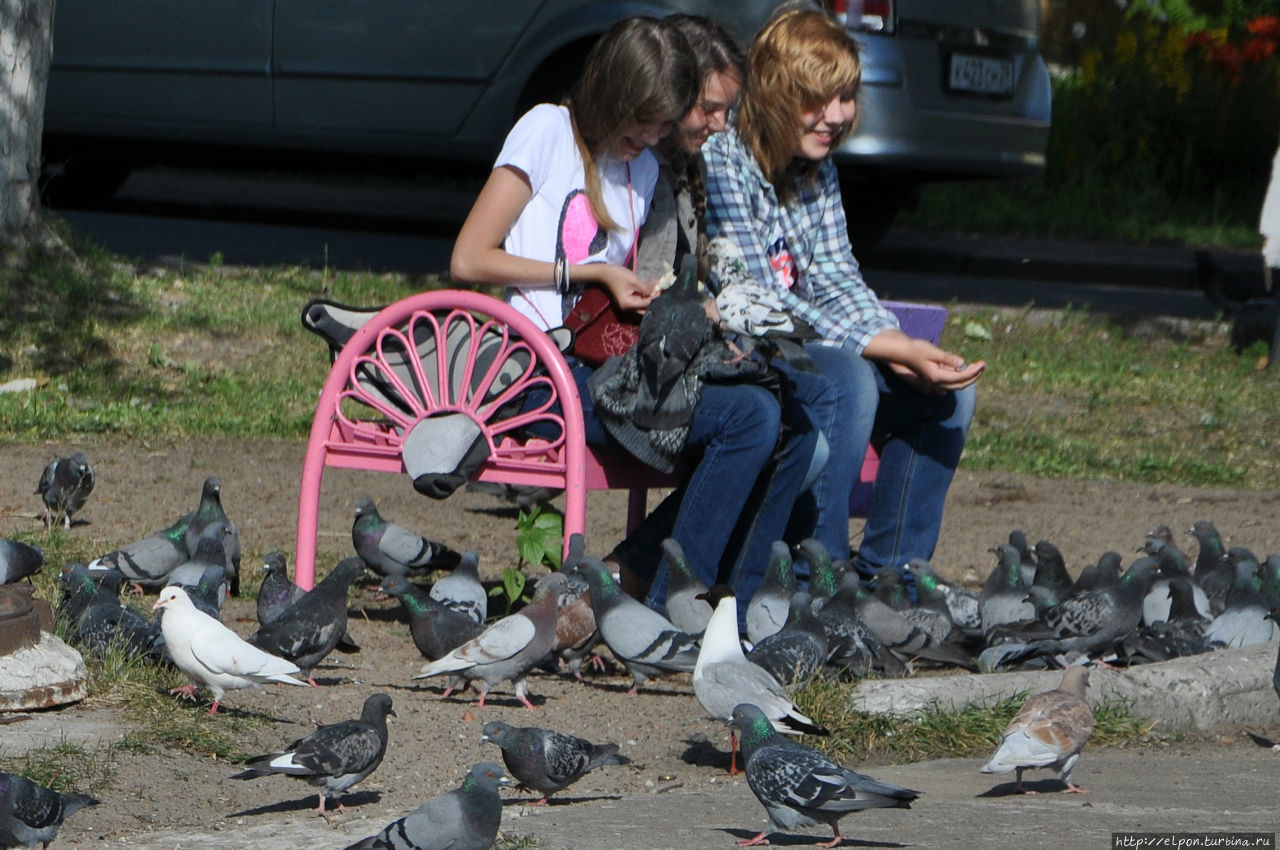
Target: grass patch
(64, 766)
(1075, 395)
(934, 733)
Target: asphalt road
(382, 225)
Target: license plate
(981, 74)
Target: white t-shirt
(557, 221)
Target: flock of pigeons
(1029, 612)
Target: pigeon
(1244, 621)
(1049, 730)
(18, 561)
(100, 621)
(892, 591)
(208, 513)
(959, 604)
(796, 653)
(853, 646)
(307, 631)
(1269, 578)
(210, 550)
(1102, 574)
(799, 786)
(30, 814)
(1172, 565)
(1213, 572)
(576, 633)
(767, 611)
(64, 486)
(436, 630)
(461, 589)
(509, 648)
(466, 818)
(1026, 555)
(824, 581)
(1003, 599)
(646, 642)
(334, 757)
(389, 549)
(1051, 572)
(545, 761)
(277, 591)
(899, 635)
(1181, 633)
(723, 677)
(687, 606)
(146, 563)
(209, 592)
(211, 654)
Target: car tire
(870, 205)
(82, 180)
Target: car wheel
(870, 206)
(83, 180)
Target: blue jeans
(926, 436)
(739, 496)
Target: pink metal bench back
(390, 379)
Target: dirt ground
(434, 741)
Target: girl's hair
(800, 60)
(641, 69)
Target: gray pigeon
(509, 648)
(146, 563)
(210, 550)
(334, 757)
(18, 561)
(277, 591)
(853, 646)
(64, 485)
(892, 591)
(1244, 621)
(1049, 730)
(800, 786)
(461, 589)
(389, 549)
(796, 653)
(899, 635)
(1003, 600)
(100, 621)
(30, 814)
(209, 592)
(208, 513)
(1026, 556)
(307, 631)
(1051, 572)
(824, 579)
(1172, 566)
(646, 642)
(466, 818)
(436, 630)
(687, 606)
(767, 611)
(1105, 573)
(545, 761)
(1213, 572)
(959, 604)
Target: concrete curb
(1228, 689)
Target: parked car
(952, 88)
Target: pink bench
(387, 390)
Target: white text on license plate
(984, 74)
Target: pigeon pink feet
(187, 691)
(758, 841)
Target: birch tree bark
(26, 46)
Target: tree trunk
(26, 46)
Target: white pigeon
(723, 677)
(211, 654)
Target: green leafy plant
(513, 584)
(538, 536)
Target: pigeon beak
(159, 602)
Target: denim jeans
(926, 436)
(737, 500)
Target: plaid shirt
(743, 210)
